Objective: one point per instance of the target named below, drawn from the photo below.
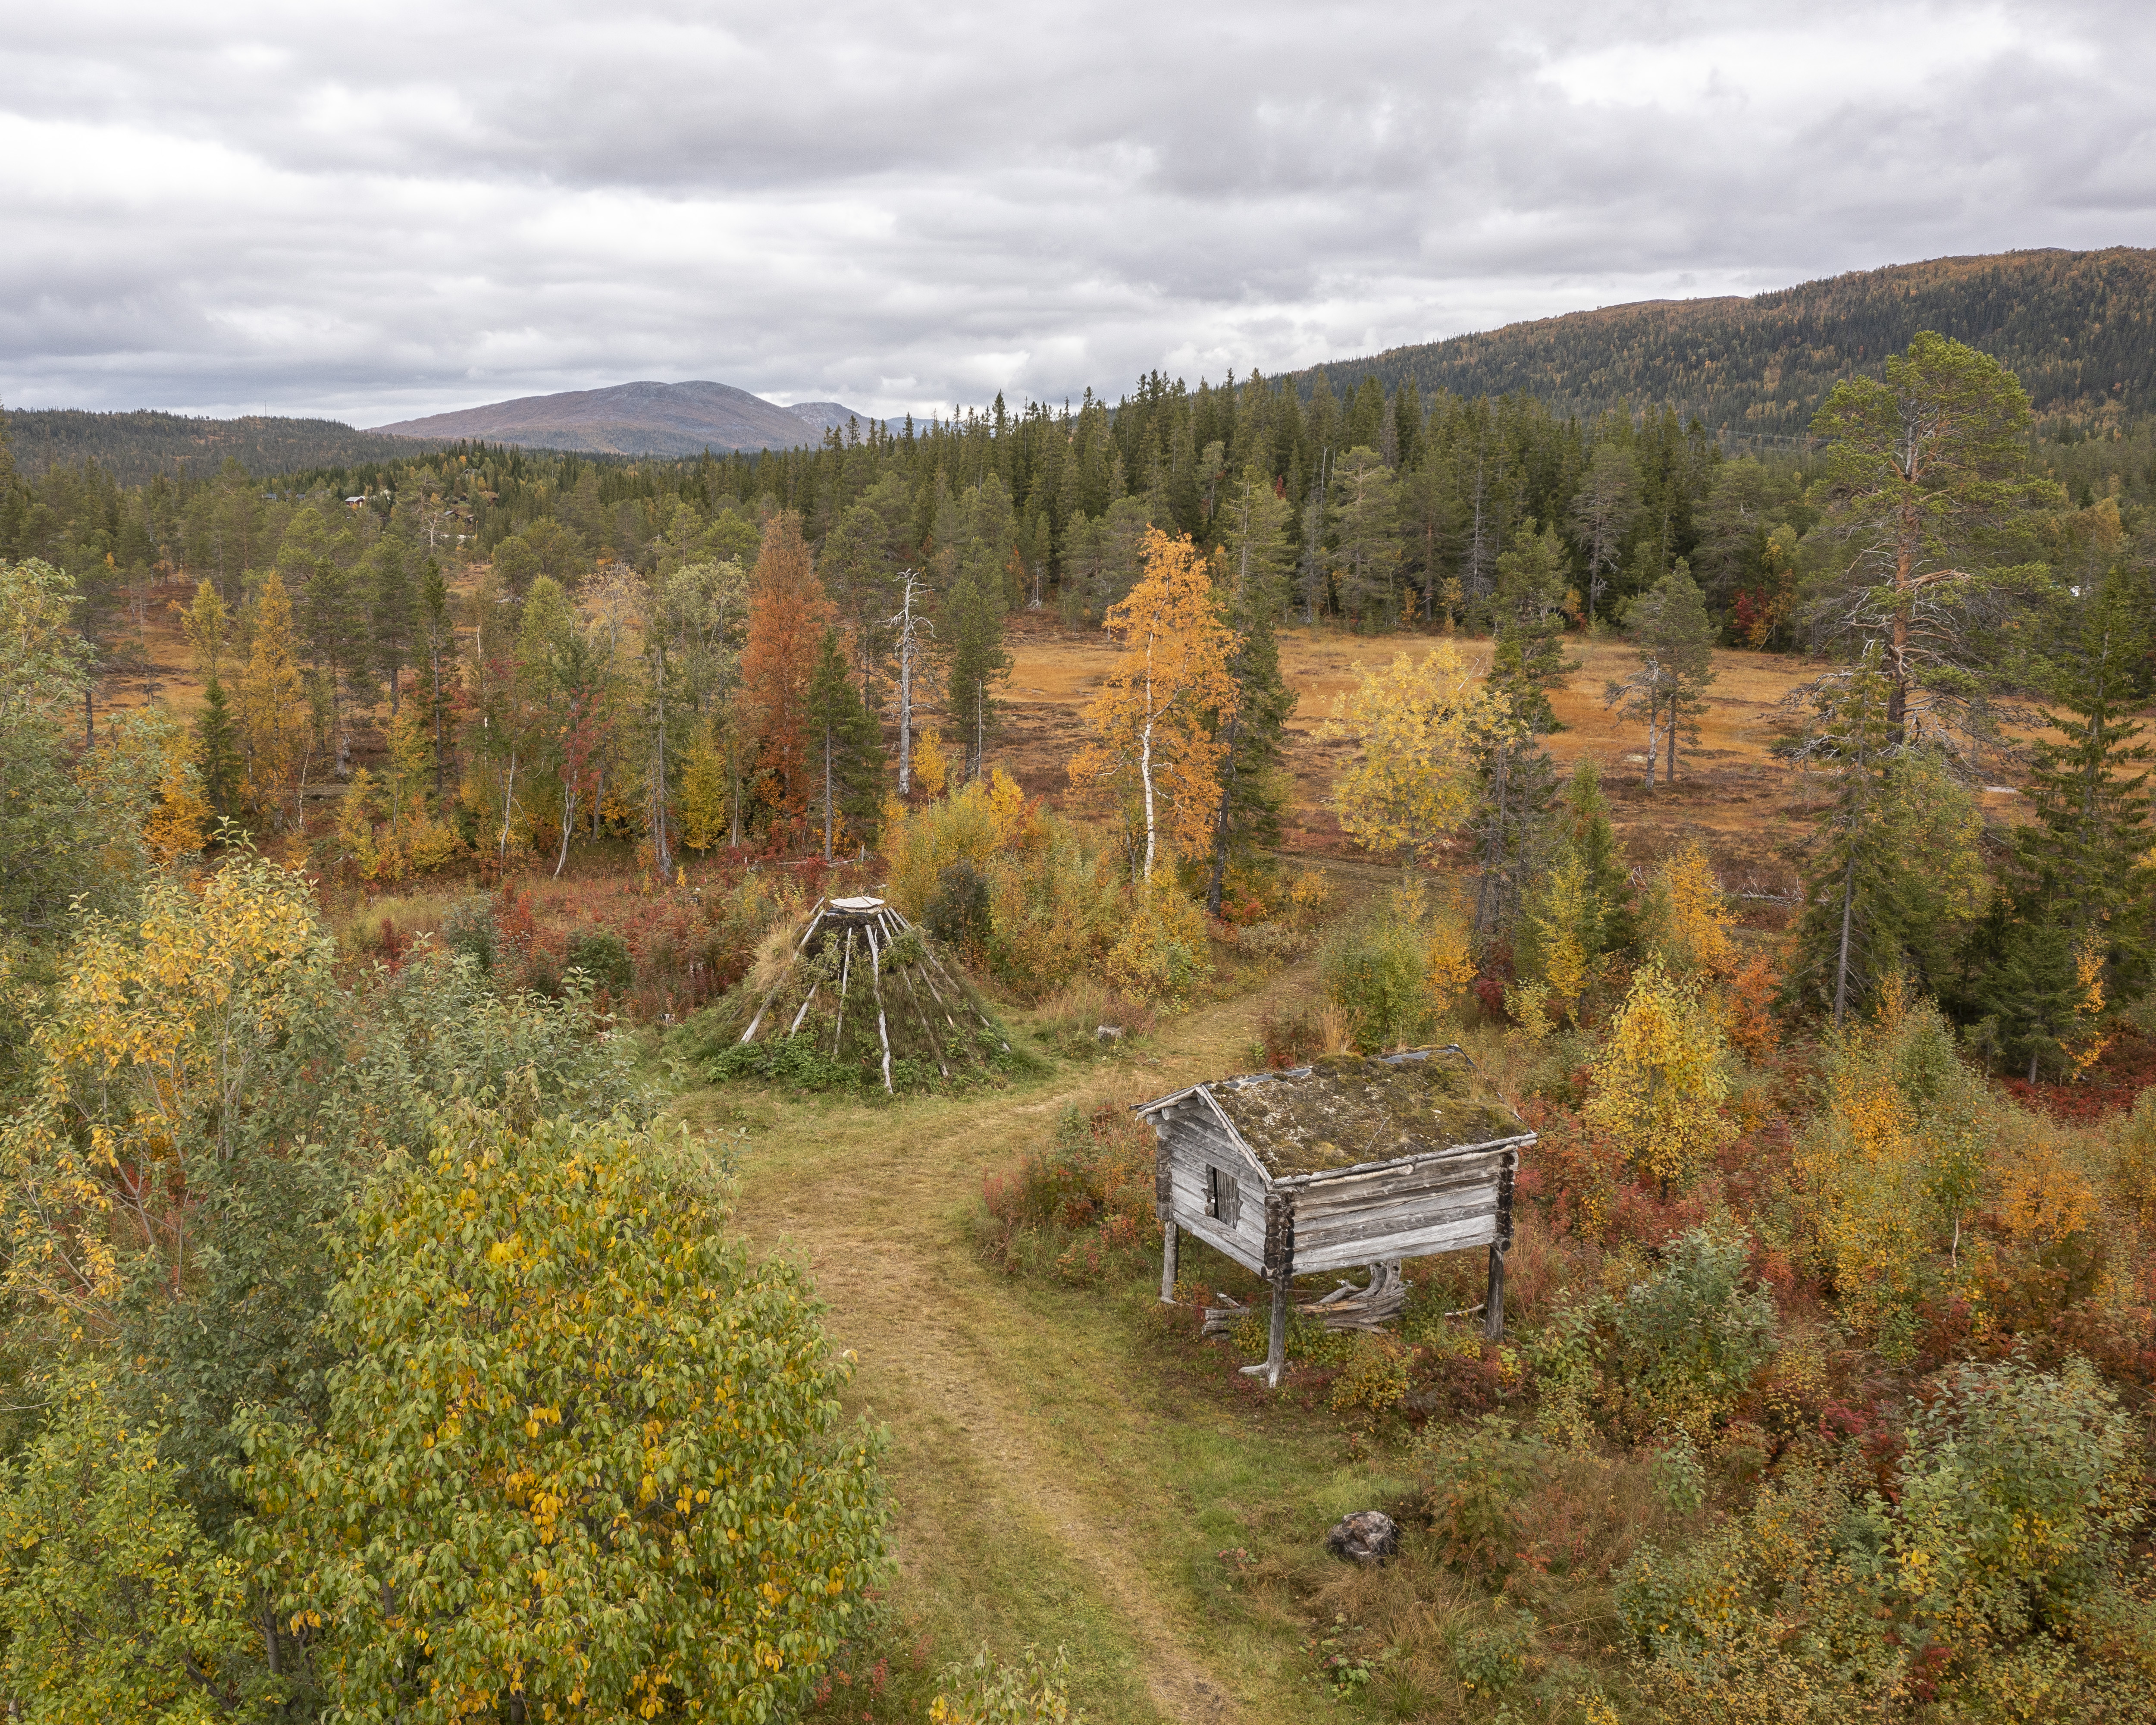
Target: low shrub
(958, 913)
(1676, 1350)
(1053, 907)
(1162, 955)
(468, 927)
(1270, 944)
(1290, 1034)
(1996, 1581)
(1374, 1378)
(1475, 1482)
(1490, 1650)
(1082, 1206)
(1069, 1021)
(1034, 1692)
(602, 956)
(1376, 972)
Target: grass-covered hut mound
(855, 997)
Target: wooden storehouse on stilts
(1351, 1160)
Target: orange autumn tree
(1156, 722)
(787, 613)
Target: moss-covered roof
(1347, 1110)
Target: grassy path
(1048, 1490)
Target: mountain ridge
(643, 418)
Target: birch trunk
(1145, 765)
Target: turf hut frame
(1350, 1160)
(864, 988)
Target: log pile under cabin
(859, 994)
(1351, 1160)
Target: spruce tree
(1252, 789)
(2034, 997)
(441, 645)
(976, 662)
(1511, 828)
(2083, 864)
(1528, 612)
(849, 748)
(219, 761)
(389, 616)
(1583, 830)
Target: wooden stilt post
(1493, 1309)
(1276, 1351)
(1167, 1257)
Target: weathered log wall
(1442, 1203)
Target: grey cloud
(906, 205)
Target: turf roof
(1347, 1110)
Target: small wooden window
(1223, 1196)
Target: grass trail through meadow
(1049, 1487)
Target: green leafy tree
(1659, 1084)
(583, 1456)
(1925, 477)
(113, 1604)
(44, 671)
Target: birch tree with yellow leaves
(1156, 722)
(1419, 731)
(151, 1045)
(1659, 1085)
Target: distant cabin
(1350, 1160)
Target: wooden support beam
(1168, 1261)
(1493, 1302)
(1276, 1349)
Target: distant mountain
(2077, 328)
(135, 446)
(637, 420)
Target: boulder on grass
(1368, 1537)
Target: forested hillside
(133, 446)
(2077, 328)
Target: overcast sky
(391, 210)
